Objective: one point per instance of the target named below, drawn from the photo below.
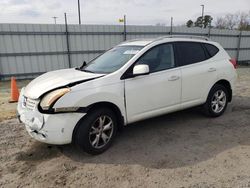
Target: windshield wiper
(78, 68)
(87, 71)
(82, 66)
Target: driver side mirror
(140, 70)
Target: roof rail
(134, 40)
(183, 36)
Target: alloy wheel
(218, 101)
(101, 131)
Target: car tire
(96, 131)
(217, 101)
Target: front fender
(80, 97)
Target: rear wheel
(96, 131)
(217, 100)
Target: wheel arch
(102, 104)
(111, 106)
(227, 85)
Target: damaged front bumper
(48, 128)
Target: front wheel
(96, 131)
(217, 100)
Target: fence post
(67, 39)
(171, 26)
(209, 31)
(238, 46)
(124, 28)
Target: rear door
(197, 70)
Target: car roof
(144, 42)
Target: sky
(138, 12)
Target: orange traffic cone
(14, 91)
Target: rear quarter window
(211, 49)
(190, 52)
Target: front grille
(30, 103)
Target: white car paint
(173, 89)
(55, 130)
(145, 98)
(55, 79)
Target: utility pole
(54, 17)
(79, 12)
(202, 15)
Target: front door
(158, 92)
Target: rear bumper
(233, 83)
(48, 128)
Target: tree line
(238, 20)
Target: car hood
(55, 79)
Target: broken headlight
(51, 97)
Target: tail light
(234, 62)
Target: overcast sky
(142, 12)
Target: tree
(244, 21)
(207, 21)
(220, 23)
(238, 20)
(198, 22)
(190, 23)
(203, 22)
(231, 20)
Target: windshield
(112, 60)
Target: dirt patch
(8, 110)
(183, 149)
(243, 83)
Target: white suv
(133, 81)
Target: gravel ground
(8, 110)
(183, 149)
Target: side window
(212, 50)
(158, 58)
(190, 52)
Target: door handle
(212, 69)
(173, 78)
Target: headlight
(51, 97)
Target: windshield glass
(112, 60)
